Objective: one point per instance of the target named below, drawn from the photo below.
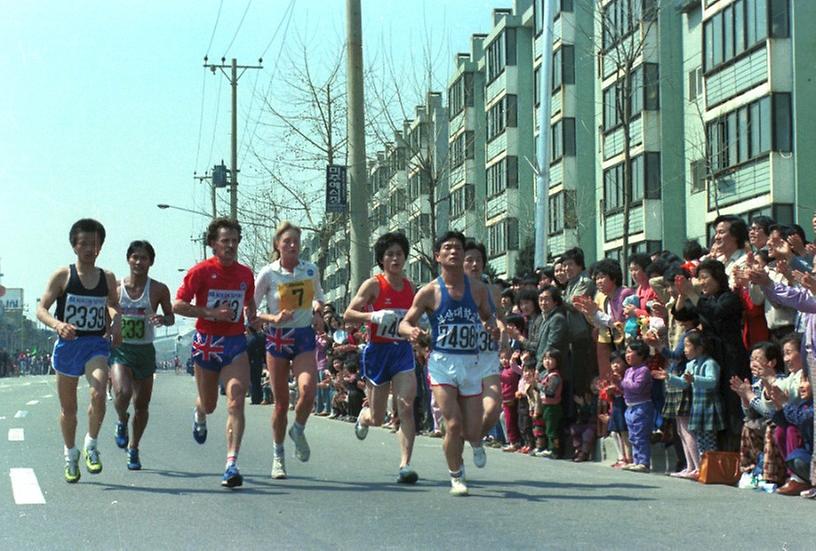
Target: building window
(750, 131)
(644, 94)
(503, 114)
(695, 83)
(645, 182)
(741, 26)
(500, 53)
(496, 240)
(562, 213)
(563, 67)
(698, 175)
(502, 175)
(462, 200)
(461, 148)
(621, 17)
(780, 24)
(562, 143)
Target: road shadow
(595, 492)
(250, 488)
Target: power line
(217, 109)
(217, 18)
(275, 34)
(240, 24)
(291, 10)
(200, 118)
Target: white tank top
(136, 326)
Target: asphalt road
(345, 497)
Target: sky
(106, 110)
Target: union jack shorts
(288, 342)
(212, 352)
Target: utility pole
(543, 150)
(358, 187)
(233, 77)
(206, 177)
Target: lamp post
(203, 238)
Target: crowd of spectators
(24, 362)
(711, 349)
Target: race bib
(133, 328)
(391, 330)
(234, 300)
(487, 343)
(85, 313)
(297, 295)
(459, 337)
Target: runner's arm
(423, 303)
(54, 288)
(365, 297)
(115, 313)
(168, 318)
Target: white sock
(70, 453)
(796, 478)
(278, 450)
(199, 418)
(90, 443)
(298, 428)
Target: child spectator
(800, 415)
(550, 410)
(509, 379)
(525, 409)
(637, 392)
(756, 448)
(583, 431)
(612, 393)
(702, 375)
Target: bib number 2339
(234, 300)
(85, 313)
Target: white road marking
(48, 396)
(16, 435)
(2, 418)
(20, 414)
(32, 403)
(25, 487)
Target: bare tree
(302, 131)
(625, 27)
(422, 137)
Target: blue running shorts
(212, 352)
(380, 362)
(71, 357)
(289, 342)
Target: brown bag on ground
(719, 468)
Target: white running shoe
(360, 430)
(458, 486)
(479, 456)
(302, 450)
(278, 468)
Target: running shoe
(407, 475)
(479, 456)
(360, 430)
(458, 486)
(638, 468)
(232, 478)
(199, 429)
(302, 450)
(808, 494)
(92, 462)
(72, 474)
(133, 463)
(278, 468)
(120, 433)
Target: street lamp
(198, 212)
(203, 237)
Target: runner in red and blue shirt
(222, 290)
